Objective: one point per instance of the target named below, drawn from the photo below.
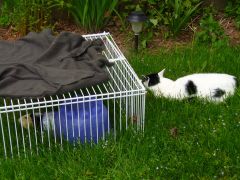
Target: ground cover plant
(182, 139)
(165, 17)
(233, 9)
(210, 33)
(26, 15)
(89, 14)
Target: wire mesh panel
(84, 115)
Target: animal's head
(152, 79)
(28, 120)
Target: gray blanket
(41, 64)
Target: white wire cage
(84, 115)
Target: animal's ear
(144, 78)
(160, 74)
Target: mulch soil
(124, 39)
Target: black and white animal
(210, 86)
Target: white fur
(206, 84)
(47, 121)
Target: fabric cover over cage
(41, 64)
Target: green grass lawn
(207, 145)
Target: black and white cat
(211, 86)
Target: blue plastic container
(75, 116)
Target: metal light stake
(136, 19)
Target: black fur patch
(36, 120)
(191, 88)
(236, 82)
(153, 79)
(218, 93)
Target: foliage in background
(5, 17)
(233, 9)
(167, 17)
(26, 15)
(173, 14)
(89, 14)
(180, 16)
(211, 32)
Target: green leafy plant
(233, 9)
(34, 15)
(26, 15)
(174, 14)
(166, 17)
(4, 15)
(90, 14)
(180, 15)
(210, 32)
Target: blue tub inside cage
(81, 121)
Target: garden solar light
(136, 19)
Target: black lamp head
(137, 16)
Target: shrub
(89, 14)
(170, 15)
(174, 14)
(179, 14)
(211, 32)
(4, 15)
(233, 9)
(26, 15)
